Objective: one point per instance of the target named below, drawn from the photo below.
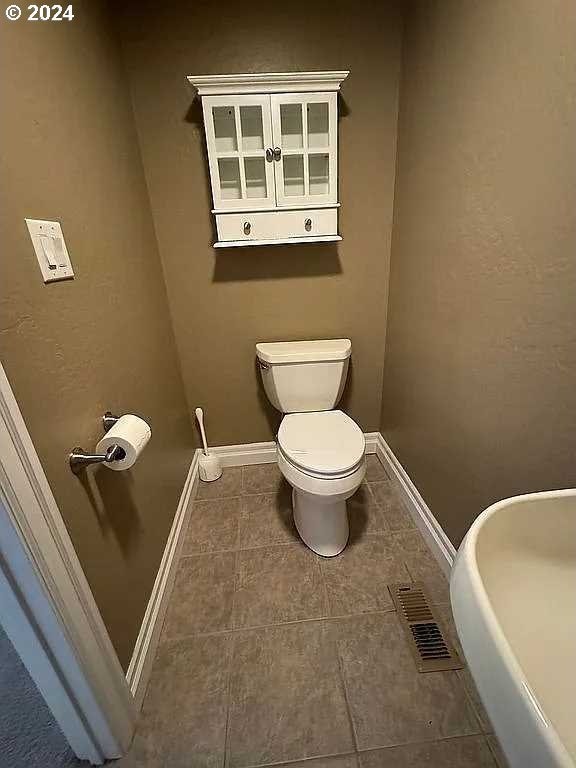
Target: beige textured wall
(479, 396)
(73, 349)
(222, 304)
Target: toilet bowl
(320, 450)
(321, 455)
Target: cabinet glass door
(304, 128)
(238, 133)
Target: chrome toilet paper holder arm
(79, 459)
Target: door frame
(48, 610)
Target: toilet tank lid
(304, 351)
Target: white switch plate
(50, 248)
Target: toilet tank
(302, 376)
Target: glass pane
(252, 131)
(318, 168)
(224, 129)
(318, 125)
(293, 175)
(229, 172)
(291, 126)
(255, 172)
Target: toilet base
(321, 522)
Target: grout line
(251, 628)
(311, 759)
(228, 701)
(358, 752)
(456, 737)
(296, 542)
(243, 549)
(488, 739)
(346, 699)
(237, 496)
(234, 590)
(243, 494)
(473, 704)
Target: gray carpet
(29, 735)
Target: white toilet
(320, 450)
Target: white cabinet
(272, 143)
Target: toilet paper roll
(132, 434)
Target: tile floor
(272, 655)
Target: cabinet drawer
(277, 225)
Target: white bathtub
(513, 593)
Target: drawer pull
(247, 227)
(308, 225)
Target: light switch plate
(50, 248)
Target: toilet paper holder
(79, 459)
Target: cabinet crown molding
(268, 82)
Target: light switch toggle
(50, 248)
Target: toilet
(320, 450)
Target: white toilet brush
(209, 465)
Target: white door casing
(49, 612)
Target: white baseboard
(239, 456)
(435, 536)
(371, 441)
(244, 455)
(140, 666)
(265, 453)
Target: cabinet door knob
(277, 153)
(247, 227)
(269, 154)
(308, 225)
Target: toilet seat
(322, 444)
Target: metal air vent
(431, 650)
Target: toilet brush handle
(200, 417)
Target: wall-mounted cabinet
(272, 143)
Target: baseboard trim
(140, 666)
(265, 453)
(246, 454)
(435, 536)
(371, 441)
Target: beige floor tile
(213, 526)
(469, 752)
(267, 519)
(227, 486)
(201, 600)
(183, 721)
(262, 478)
(374, 469)
(287, 701)
(395, 512)
(356, 580)
(422, 565)
(364, 515)
(392, 703)
(277, 584)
